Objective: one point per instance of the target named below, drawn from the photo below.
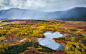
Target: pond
(0, 20)
(52, 35)
(49, 42)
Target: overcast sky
(42, 5)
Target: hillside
(16, 13)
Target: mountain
(77, 14)
(74, 13)
(23, 13)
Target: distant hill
(74, 19)
(78, 13)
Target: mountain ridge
(76, 12)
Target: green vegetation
(84, 42)
(35, 44)
(73, 29)
(18, 48)
(46, 49)
(59, 38)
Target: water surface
(49, 42)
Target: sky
(42, 5)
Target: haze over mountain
(77, 12)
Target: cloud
(42, 5)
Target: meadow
(22, 36)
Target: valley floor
(23, 36)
